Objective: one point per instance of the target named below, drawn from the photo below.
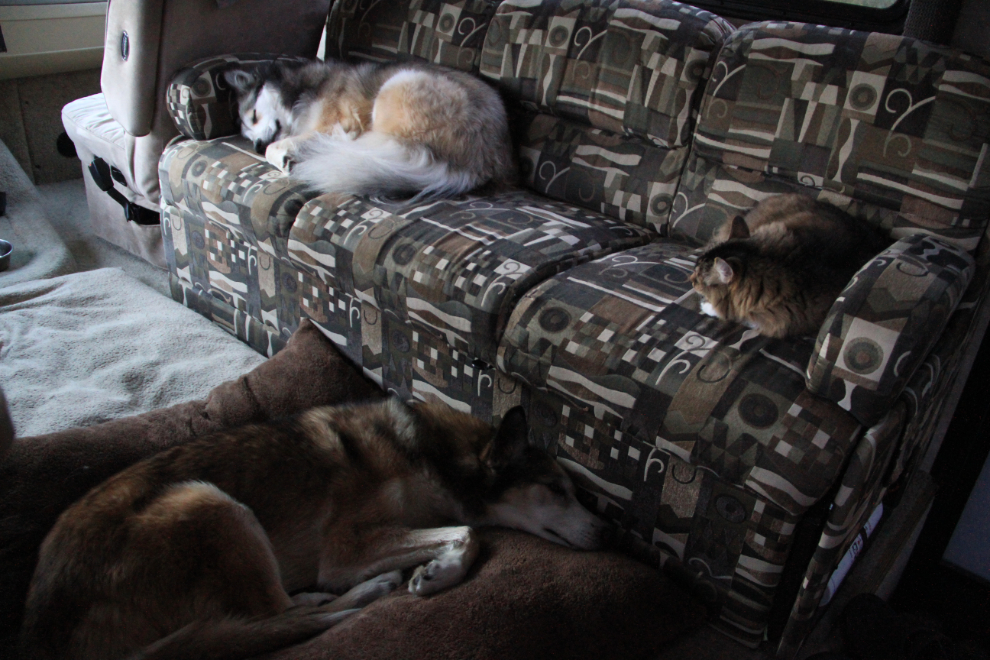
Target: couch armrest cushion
(885, 322)
(202, 104)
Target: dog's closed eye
(254, 116)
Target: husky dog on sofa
(376, 128)
(195, 551)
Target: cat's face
(713, 277)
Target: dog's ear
(510, 442)
(240, 79)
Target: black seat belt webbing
(103, 176)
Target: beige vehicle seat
(121, 133)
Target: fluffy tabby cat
(780, 269)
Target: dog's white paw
(441, 573)
(707, 308)
(280, 155)
(371, 590)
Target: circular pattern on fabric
(198, 240)
(201, 87)
(554, 319)
(615, 275)
(446, 22)
(716, 369)
(758, 410)
(400, 341)
(695, 70)
(289, 282)
(559, 36)
(730, 509)
(862, 96)
(864, 356)
(404, 254)
(198, 168)
(660, 204)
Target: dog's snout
(260, 146)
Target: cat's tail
(233, 639)
(375, 163)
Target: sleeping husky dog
(195, 551)
(376, 128)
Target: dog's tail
(233, 639)
(375, 163)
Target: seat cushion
(454, 267)
(623, 337)
(89, 125)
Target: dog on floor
(195, 551)
(384, 129)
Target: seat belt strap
(104, 176)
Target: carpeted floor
(65, 206)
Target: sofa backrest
(893, 129)
(447, 33)
(606, 92)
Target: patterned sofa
(641, 127)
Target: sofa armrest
(202, 104)
(885, 322)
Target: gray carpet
(65, 205)
(38, 250)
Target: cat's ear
(723, 271)
(739, 228)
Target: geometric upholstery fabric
(885, 323)
(623, 337)
(609, 96)
(627, 67)
(455, 267)
(886, 120)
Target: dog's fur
(376, 128)
(194, 552)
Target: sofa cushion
(453, 267)
(447, 33)
(610, 93)
(885, 120)
(623, 337)
(628, 67)
(620, 176)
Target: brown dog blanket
(526, 598)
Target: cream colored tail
(378, 164)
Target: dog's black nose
(260, 146)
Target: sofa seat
(622, 337)
(452, 267)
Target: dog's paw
(437, 575)
(313, 599)
(370, 590)
(279, 154)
